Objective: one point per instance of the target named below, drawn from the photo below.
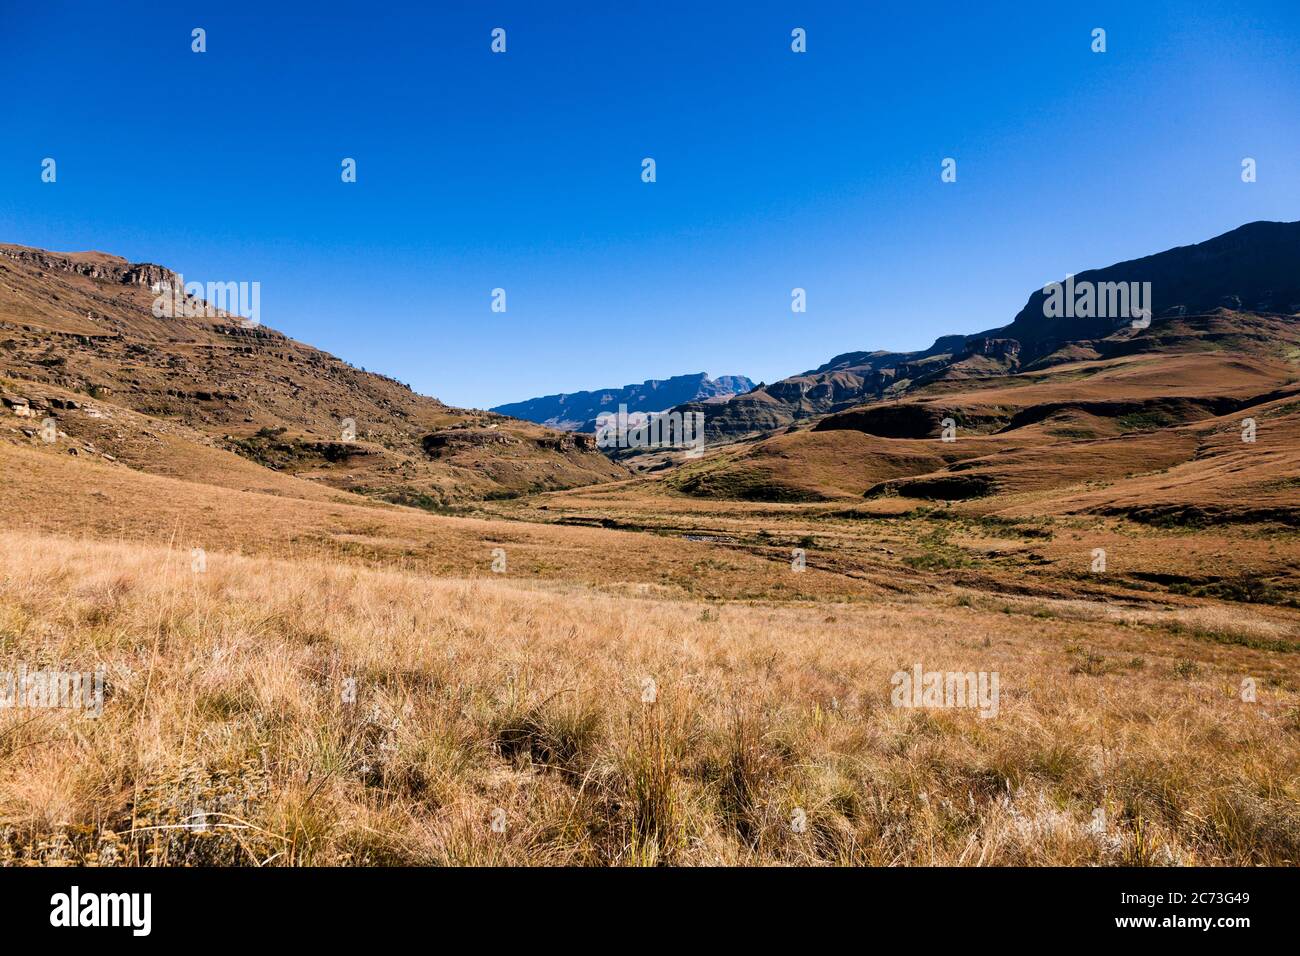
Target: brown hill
(1167, 404)
(79, 342)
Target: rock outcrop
(95, 265)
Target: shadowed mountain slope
(1255, 268)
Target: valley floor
(620, 675)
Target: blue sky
(522, 170)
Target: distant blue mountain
(577, 411)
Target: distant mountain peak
(577, 411)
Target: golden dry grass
(226, 697)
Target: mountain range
(577, 411)
(1255, 268)
(1038, 405)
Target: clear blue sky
(522, 170)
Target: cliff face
(1255, 268)
(94, 265)
(578, 411)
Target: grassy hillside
(80, 328)
(1064, 427)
